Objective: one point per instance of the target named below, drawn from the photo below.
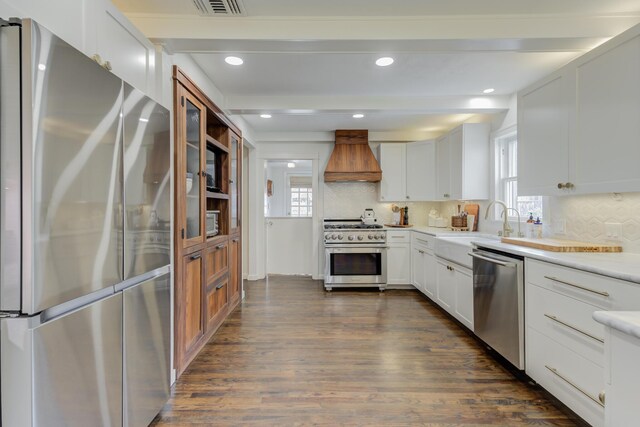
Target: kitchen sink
(457, 248)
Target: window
(301, 196)
(507, 180)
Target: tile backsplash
(585, 217)
(350, 199)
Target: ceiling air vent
(219, 7)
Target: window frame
(502, 176)
(310, 203)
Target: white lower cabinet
(455, 291)
(570, 377)
(564, 345)
(423, 266)
(464, 296)
(399, 258)
(446, 285)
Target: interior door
(71, 166)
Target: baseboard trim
(400, 287)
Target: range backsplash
(350, 199)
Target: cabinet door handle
(574, 385)
(570, 326)
(220, 286)
(235, 240)
(601, 397)
(408, 197)
(195, 257)
(593, 291)
(420, 251)
(560, 186)
(219, 246)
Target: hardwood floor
(292, 354)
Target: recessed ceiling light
(143, 120)
(42, 67)
(358, 116)
(233, 60)
(291, 165)
(265, 116)
(384, 61)
(490, 90)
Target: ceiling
(311, 64)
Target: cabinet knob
(560, 186)
(220, 286)
(569, 185)
(408, 197)
(601, 397)
(195, 257)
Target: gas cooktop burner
(351, 226)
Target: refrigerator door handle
(129, 283)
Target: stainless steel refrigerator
(84, 239)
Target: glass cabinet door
(234, 180)
(192, 159)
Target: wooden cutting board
(556, 245)
(473, 209)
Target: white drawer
(424, 240)
(601, 291)
(572, 379)
(394, 236)
(565, 320)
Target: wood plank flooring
(292, 354)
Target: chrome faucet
(506, 228)
(504, 212)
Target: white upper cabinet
(392, 159)
(421, 171)
(408, 171)
(578, 129)
(543, 137)
(463, 163)
(95, 27)
(606, 147)
(130, 53)
(443, 183)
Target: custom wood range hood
(352, 158)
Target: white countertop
(624, 321)
(621, 266)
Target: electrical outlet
(559, 226)
(613, 230)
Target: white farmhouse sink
(456, 248)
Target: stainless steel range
(355, 254)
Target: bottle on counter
(530, 230)
(538, 228)
(406, 215)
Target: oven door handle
(493, 260)
(329, 248)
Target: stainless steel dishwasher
(498, 302)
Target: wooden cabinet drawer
(423, 240)
(217, 299)
(398, 236)
(217, 261)
(565, 320)
(571, 378)
(601, 291)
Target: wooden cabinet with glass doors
(208, 278)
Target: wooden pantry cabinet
(208, 280)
